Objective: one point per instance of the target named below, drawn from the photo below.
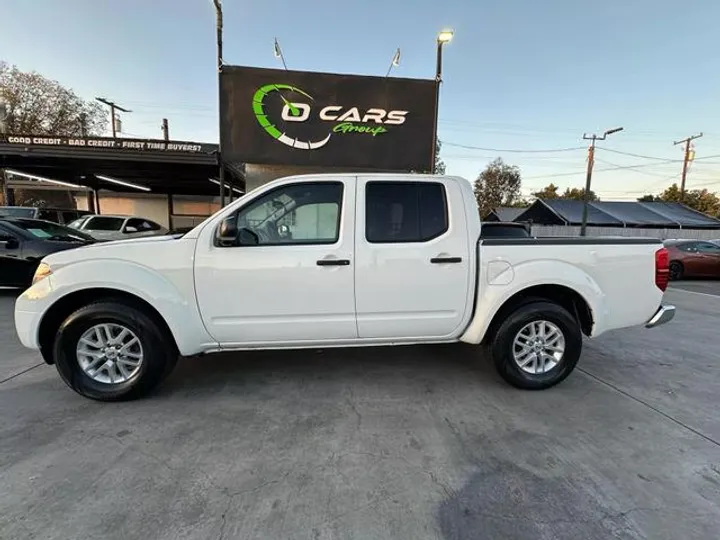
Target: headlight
(43, 271)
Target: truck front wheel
(112, 351)
(537, 346)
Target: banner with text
(149, 145)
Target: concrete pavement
(403, 443)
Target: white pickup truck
(333, 261)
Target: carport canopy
(670, 215)
(121, 165)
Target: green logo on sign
(372, 122)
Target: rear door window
(48, 215)
(68, 216)
(17, 211)
(399, 212)
(707, 247)
(142, 225)
(104, 224)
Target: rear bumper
(662, 315)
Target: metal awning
(101, 163)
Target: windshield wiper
(59, 238)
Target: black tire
(676, 270)
(159, 353)
(502, 345)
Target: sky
(519, 78)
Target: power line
(654, 185)
(634, 167)
(656, 158)
(637, 155)
(607, 169)
(468, 147)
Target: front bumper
(26, 328)
(662, 315)
(30, 307)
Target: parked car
(107, 227)
(24, 242)
(56, 215)
(693, 258)
(331, 261)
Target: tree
(548, 192)
(497, 185)
(521, 202)
(576, 194)
(439, 163)
(551, 192)
(39, 106)
(34, 105)
(701, 200)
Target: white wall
(155, 207)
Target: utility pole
(3, 131)
(218, 31)
(112, 106)
(445, 36)
(588, 178)
(686, 161)
(165, 130)
(83, 124)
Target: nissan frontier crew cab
(333, 261)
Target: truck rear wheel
(112, 351)
(537, 345)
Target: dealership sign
(94, 143)
(300, 118)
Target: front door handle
(333, 262)
(446, 260)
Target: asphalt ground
(395, 443)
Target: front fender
(496, 289)
(173, 297)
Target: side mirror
(10, 243)
(227, 233)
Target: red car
(693, 258)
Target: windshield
(77, 224)
(17, 211)
(51, 231)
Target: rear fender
(498, 289)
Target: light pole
(590, 164)
(113, 107)
(219, 28)
(443, 37)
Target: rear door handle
(333, 262)
(445, 260)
